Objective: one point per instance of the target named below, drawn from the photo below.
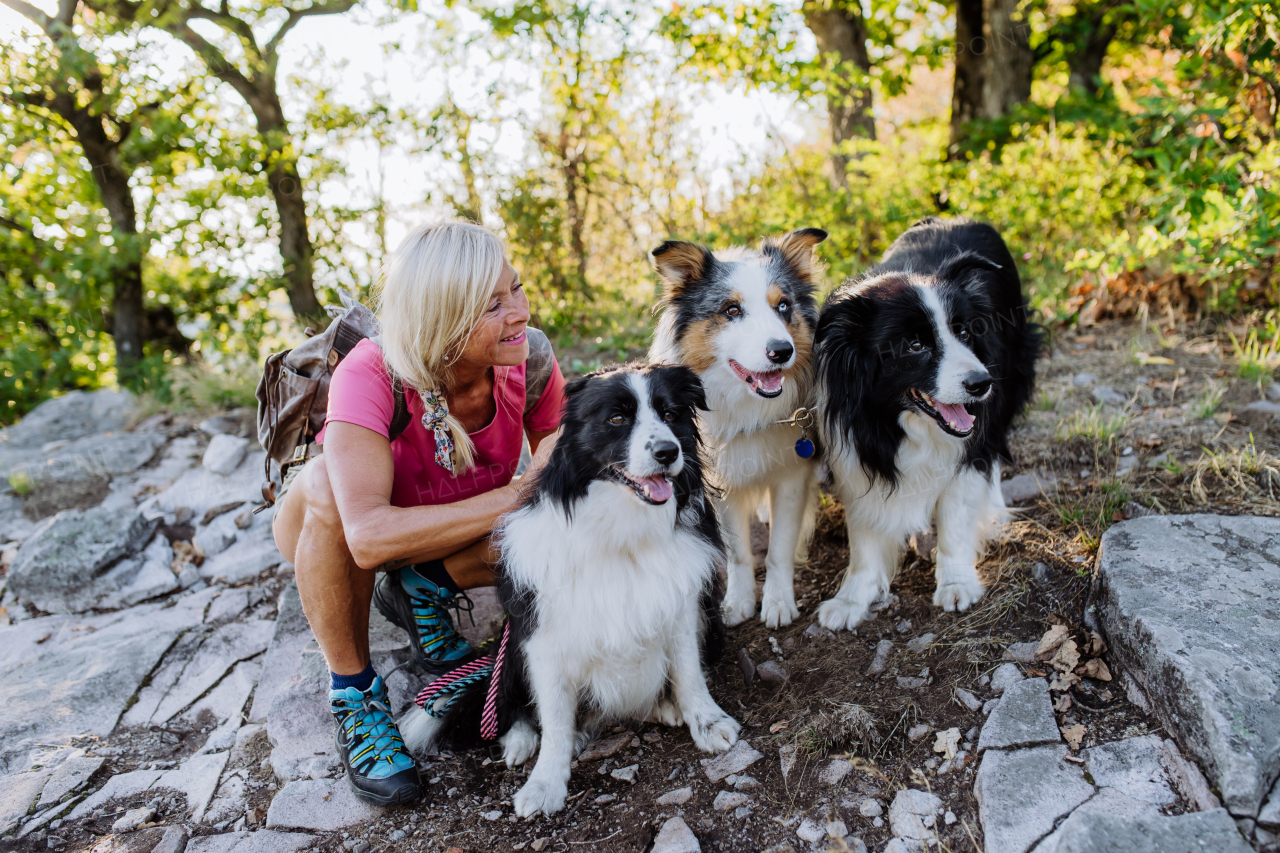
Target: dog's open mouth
(655, 489)
(767, 384)
(952, 417)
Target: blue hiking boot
(421, 607)
(379, 769)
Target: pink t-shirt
(360, 394)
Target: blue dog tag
(804, 448)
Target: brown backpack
(293, 394)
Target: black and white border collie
(922, 365)
(609, 577)
(744, 319)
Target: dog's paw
(778, 607)
(540, 795)
(716, 733)
(738, 609)
(519, 744)
(667, 713)
(839, 614)
(958, 593)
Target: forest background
(184, 186)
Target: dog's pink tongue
(659, 488)
(769, 381)
(956, 415)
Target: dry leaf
(1074, 735)
(1054, 637)
(1067, 657)
(1064, 681)
(779, 726)
(1095, 669)
(947, 743)
(1096, 646)
(1063, 705)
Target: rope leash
(455, 684)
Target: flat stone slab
(1134, 766)
(1024, 716)
(18, 792)
(79, 688)
(1022, 793)
(1109, 802)
(1197, 832)
(262, 841)
(1191, 608)
(326, 805)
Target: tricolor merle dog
(609, 577)
(922, 365)
(744, 319)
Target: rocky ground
(1117, 685)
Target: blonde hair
(433, 291)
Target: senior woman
(454, 333)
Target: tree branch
(30, 12)
(218, 64)
(325, 7)
(228, 22)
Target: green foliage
(1206, 405)
(1257, 358)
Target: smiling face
(498, 337)
(748, 313)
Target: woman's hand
(542, 446)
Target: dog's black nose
(779, 351)
(978, 383)
(666, 451)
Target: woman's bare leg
(335, 591)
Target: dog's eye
(915, 346)
(963, 334)
(618, 420)
(669, 415)
(784, 307)
(733, 311)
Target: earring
(447, 358)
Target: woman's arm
(360, 467)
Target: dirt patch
(51, 497)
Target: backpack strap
(400, 418)
(538, 368)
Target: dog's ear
(691, 389)
(796, 248)
(682, 264)
(965, 262)
(579, 385)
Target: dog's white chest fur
(609, 594)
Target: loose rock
(1023, 717)
(726, 800)
(626, 774)
(772, 672)
(1021, 652)
(1006, 674)
(967, 699)
(678, 797)
(225, 453)
(912, 814)
(881, 659)
(737, 759)
(64, 567)
(606, 747)
(834, 771)
(676, 837)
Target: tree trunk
(1085, 66)
(128, 324)
(296, 251)
(993, 62)
(840, 30)
(295, 239)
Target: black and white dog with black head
(609, 577)
(923, 363)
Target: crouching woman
(406, 522)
